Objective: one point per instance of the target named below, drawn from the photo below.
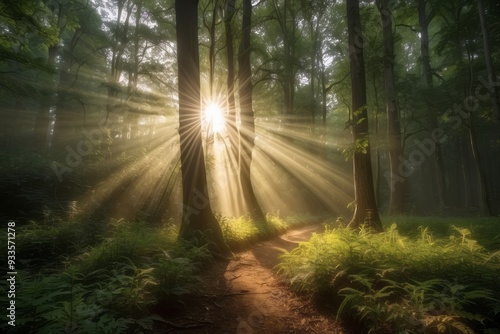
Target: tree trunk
(121, 40)
(211, 49)
(366, 211)
(482, 185)
(427, 84)
(64, 126)
(197, 214)
(495, 94)
(465, 174)
(288, 29)
(314, 35)
(231, 104)
(247, 129)
(396, 204)
(41, 136)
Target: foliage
(239, 232)
(392, 283)
(25, 177)
(110, 287)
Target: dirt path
(245, 296)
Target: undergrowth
(391, 283)
(109, 286)
(241, 232)
(109, 277)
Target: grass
(437, 276)
(486, 230)
(70, 283)
(423, 275)
(241, 232)
(108, 277)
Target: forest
(253, 166)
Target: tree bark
(495, 94)
(288, 29)
(247, 128)
(427, 84)
(396, 204)
(197, 214)
(482, 186)
(366, 211)
(41, 136)
(231, 104)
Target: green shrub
(40, 244)
(240, 232)
(396, 284)
(111, 287)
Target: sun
(214, 118)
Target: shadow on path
(244, 296)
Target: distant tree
(366, 211)
(229, 10)
(394, 142)
(287, 17)
(197, 214)
(61, 18)
(424, 19)
(488, 59)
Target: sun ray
(214, 119)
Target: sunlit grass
(483, 229)
(241, 232)
(119, 271)
(414, 280)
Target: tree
(197, 214)
(396, 204)
(229, 11)
(424, 19)
(366, 211)
(495, 94)
(287, 19)
(61, 18)
(247, 128)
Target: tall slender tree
(229, 10)
(366, 211)
(495, 98)
(424, 18)
(197, 214)
(395, 146)
(286, 16)
(247, 128)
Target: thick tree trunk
(366, 211)
(197, 214)
(396, 205)
(247, 129)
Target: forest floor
(245, 295)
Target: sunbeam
(214, 118)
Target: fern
(388, 280)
